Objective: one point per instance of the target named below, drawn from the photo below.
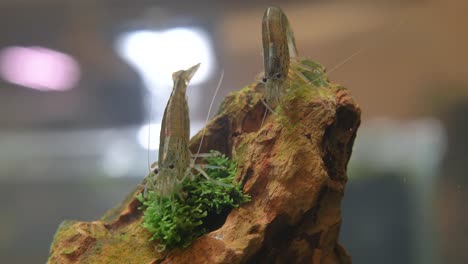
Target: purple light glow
(39, 68)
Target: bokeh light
(149, 132)
(39, 68)
(157, 54)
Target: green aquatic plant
(176, 220)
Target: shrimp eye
(171, 166)
(156, 171)
(277, 75)
(264, 80)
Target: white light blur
(153, 130)
(117, 161)
(157, 54)
(39, 68)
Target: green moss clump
(176, 220)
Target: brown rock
(293, 166)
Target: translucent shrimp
(281, 59)
(175, 161)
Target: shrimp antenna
(149, 131)
(209, 110)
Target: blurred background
(82, 83)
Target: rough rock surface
(293, 166)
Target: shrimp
(174, 153)
(175, 161)
(280, 57)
